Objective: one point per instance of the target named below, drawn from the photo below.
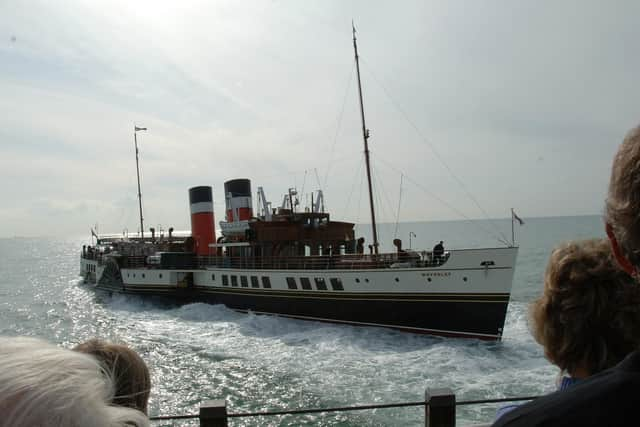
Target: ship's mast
(135, 139)
(365, 136)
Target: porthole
(397, 280)
(366, 280)
(464, 278)
(143, 275)
(357, 280)
(428, 279)
(160, 275)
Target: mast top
(355, 45)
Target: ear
(617, 252)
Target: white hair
(48, 386)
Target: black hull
(460, 315)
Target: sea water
(198, 352)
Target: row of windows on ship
(305, 282)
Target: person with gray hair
(609, 398)
(48, 386)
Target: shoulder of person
(607, 398)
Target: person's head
(126, 367)
(588, 317)
(48, 386)
(622, 211)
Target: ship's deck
(319, 262)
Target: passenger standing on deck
(438, 253)
(612, 397)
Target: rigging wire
(288, 173)
(353, 185)
(448, 205)
(361, 192)
(395, 232)
(335, 138)
(437, 154)
(379, 193)
(379, 187)
(304, 181)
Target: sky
(473, 107)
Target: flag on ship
(516, 217)
(139, 129)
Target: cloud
(256, 89)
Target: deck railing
(439, 405)
(316, 262)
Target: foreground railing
(439, 406)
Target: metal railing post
(213, 413)
(440, 407)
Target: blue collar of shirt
(567, 382)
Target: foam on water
(198, 351)
(201, 351)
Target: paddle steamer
(302, 264)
